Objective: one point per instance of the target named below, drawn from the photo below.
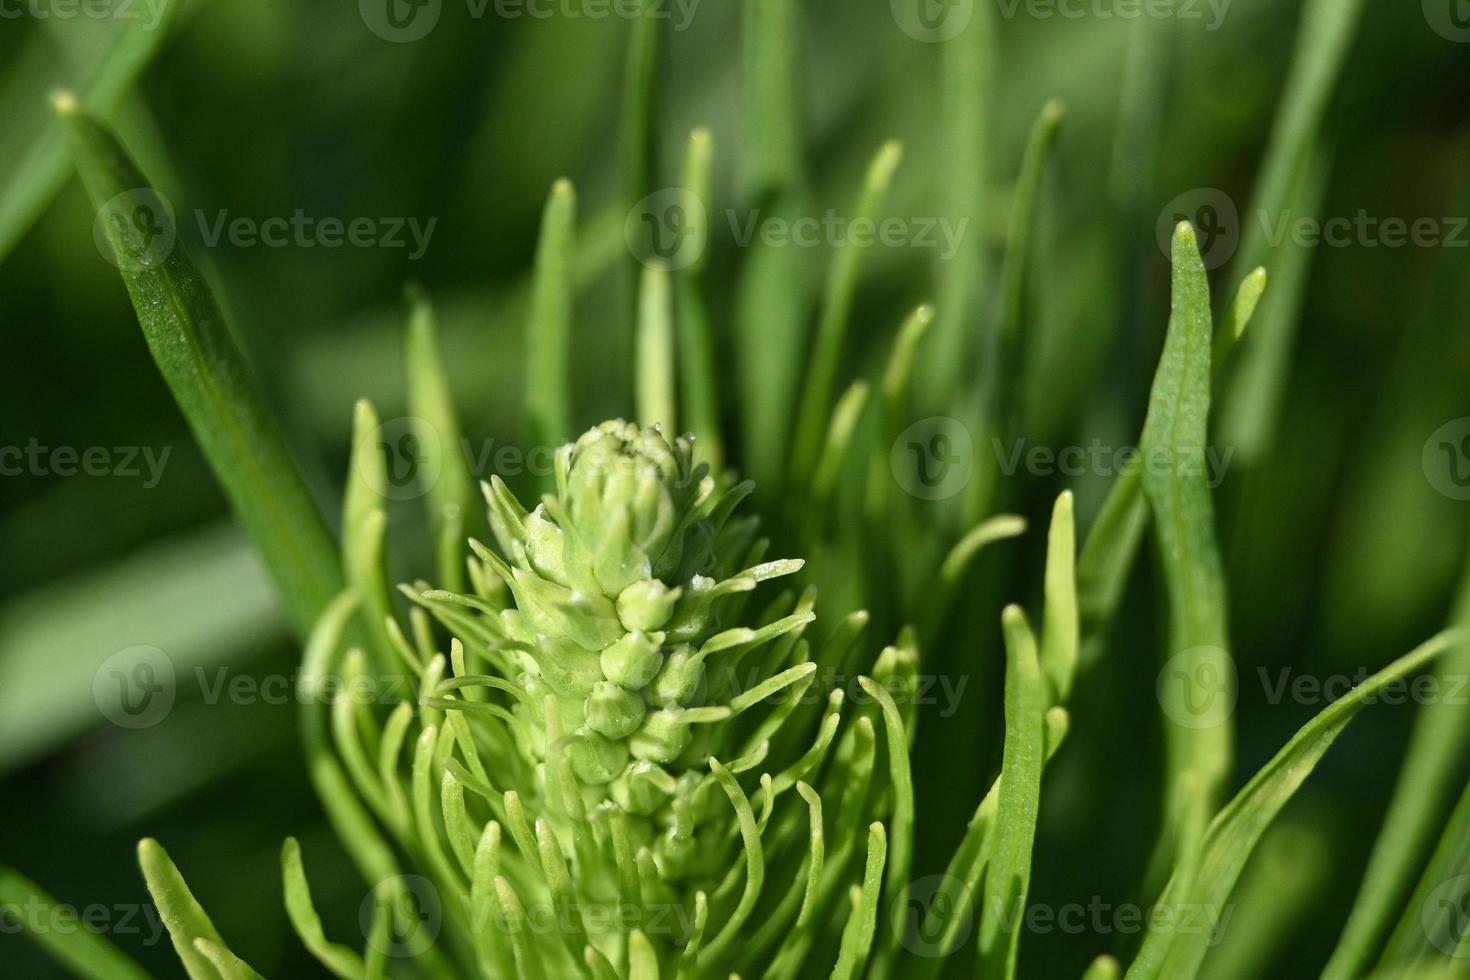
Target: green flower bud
(643, 788)
(596, 760)
(662, 736)
(634, 660)
(679, 680)
(613, 711)
(646, 605)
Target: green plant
(687, 776)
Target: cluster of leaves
(615, 791)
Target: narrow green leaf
(227, 966)
(33, 163)
(642, 959)
(839, 434)
(528, 962)
(1175, 484)
(857, 939)
(655, 385)
(697, 381)
(1323, 39)
(86, 954)
(841, 288)
(1009, 877)
(1112, 544)
(902, 786)
(1238, 316)
(1233, 833)
(769, 122)
(1004, 365)
(638, 132)
(1059, 630)
(441, 461)
(343, 962)
(185, 919)
(755, 866)
(193, 349)
(1431, 774)
(939, 596)
(967, 106)
(549, 327)
(1432, 926)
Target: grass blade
(1176, 431)
(1431, 773)
(549, 328)
(1326, 32)
(772, 141)
(209, 379)
(186, 920)
(450, 495)
(86, 954)
(39, 170)
(841, 287)
(967, 106)
(1233, 834)
(1009, 876)
(342, 961)
(696, 353)
(655, 385)
(1059, 631)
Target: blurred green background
(1341, 553)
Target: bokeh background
(1343, 545)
